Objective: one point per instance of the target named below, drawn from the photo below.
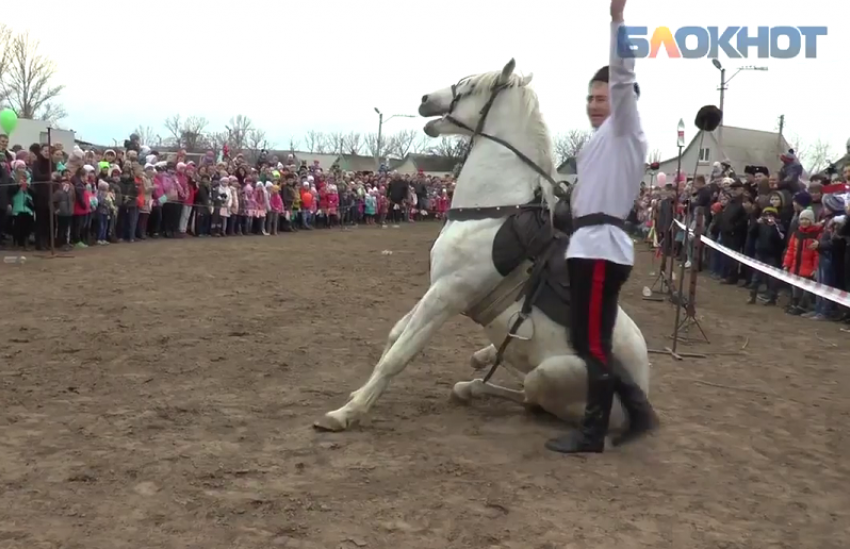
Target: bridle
(479, 129)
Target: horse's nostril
(424, 98)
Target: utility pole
(378, 146)
(378, 149)
(781, 128)
(723, 87)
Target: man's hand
(617, 8)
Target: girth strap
(594, 219)
(531, 291)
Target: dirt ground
(162, 395)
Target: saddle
(529, 251)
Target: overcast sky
(294, 66)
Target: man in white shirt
(601, 254)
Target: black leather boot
(642, 417)
(590, 437)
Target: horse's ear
(507, 71)
(526, 80)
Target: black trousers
(23, 229)
(42, 228)
(594, 292)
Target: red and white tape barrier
(822, 290)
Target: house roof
(325, 160)
(743, 147)
(433, 162)
(357, 163)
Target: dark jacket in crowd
(769, 237)
(732, 222)
(129, 191)
(397, 191)
(41, 182)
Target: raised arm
(624, 113)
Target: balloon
(8, 121)
(662, 179)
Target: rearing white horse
(465, 279)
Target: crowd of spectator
(776, 218)
(135, 193)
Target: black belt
(597, 219)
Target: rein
(491, 212)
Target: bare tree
(423, 145)
(453, 147)
(375, 147)
(323, 143)
(336, 142)
(817, 157)
(569, 144)
(315, 142)
(146, 134)
(654, 155)
(173, 124)
(192, 135)
(215, 140)
(257, 140)
(293, 144)
(353, 143)
(237, 132)
(5, 50)
(401, 142)
(27, 80)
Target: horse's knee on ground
(462, 391)
(483, 357)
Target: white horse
(504, 112)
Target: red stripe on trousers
(594, 320)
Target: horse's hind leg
(397, 330)
(432, 311)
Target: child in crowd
(276, 203)
(23, 211)
(826, 246)
(63, 200)
(769, 237)
(383, 209)
(260, 209)
(801, 258)
(105, 211)
(371, 207)
(250, 208)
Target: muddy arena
(161, 395)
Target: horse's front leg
(437, 305)
(483, 357)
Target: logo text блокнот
(711, 42)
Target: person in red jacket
(801, 259)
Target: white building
(35, 131)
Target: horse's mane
(481, 84)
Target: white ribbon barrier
(822, 290)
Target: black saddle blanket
(531, 235)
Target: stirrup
(516, 316)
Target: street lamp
(381, 121)
(724, 82)
(723, 87)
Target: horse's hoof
(477, 364)
(462, 392)
(329, 423)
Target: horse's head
(466, 102)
